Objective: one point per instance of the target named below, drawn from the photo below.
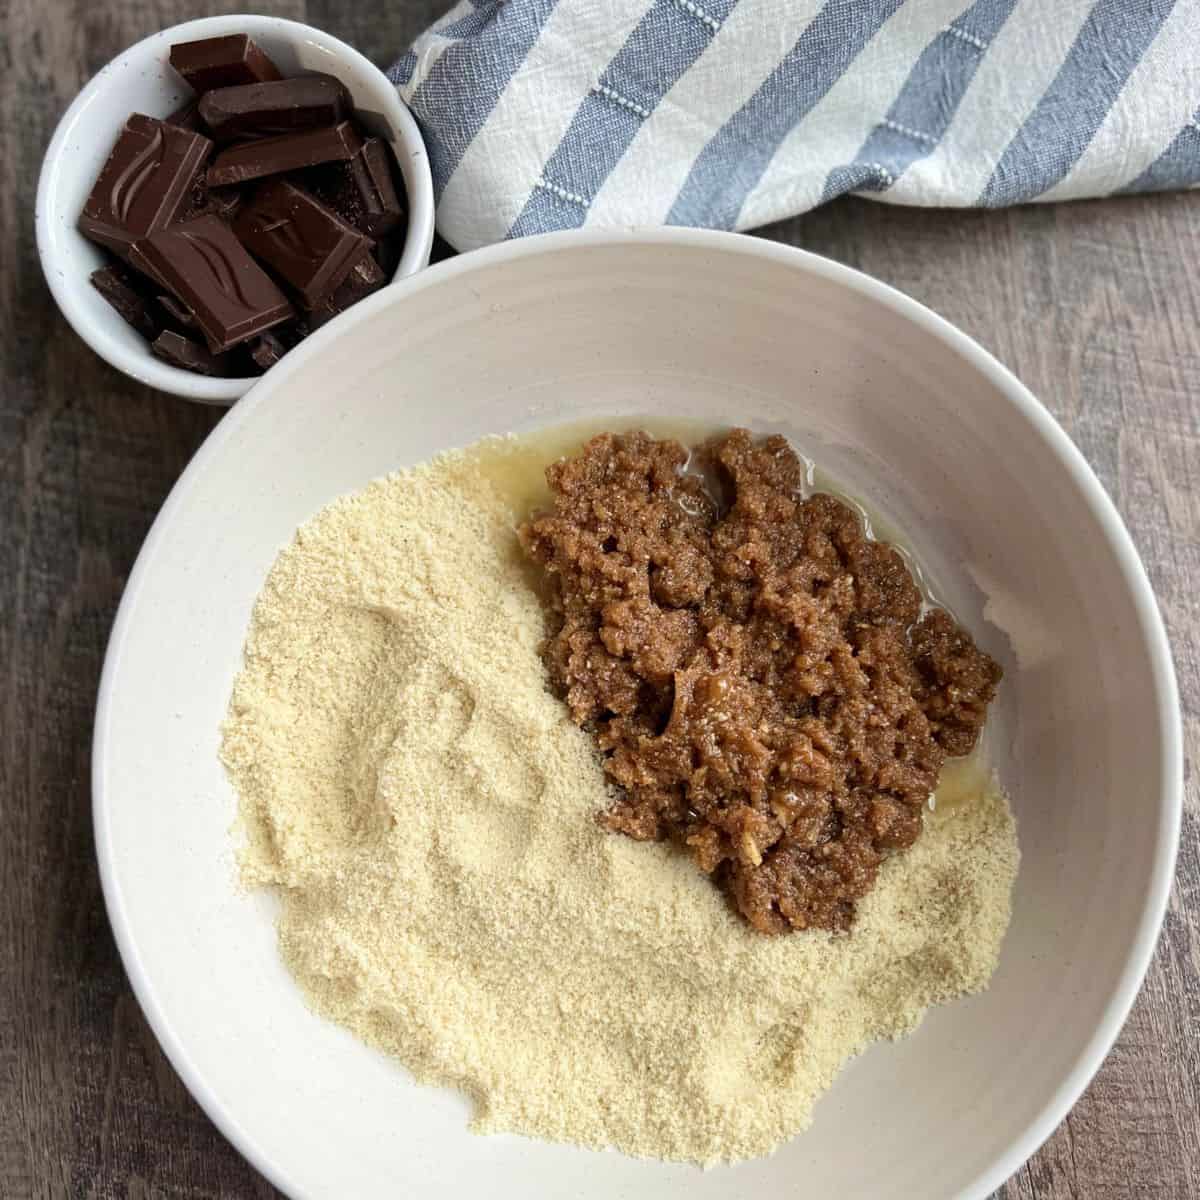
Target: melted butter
(516, 467)
(963, 782)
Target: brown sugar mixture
(756, 670)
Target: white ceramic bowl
(912, 416)
(141, 80)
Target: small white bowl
(142, 80)
(1012, 528)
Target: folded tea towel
(556, 114)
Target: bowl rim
(1133, 574)
(142, 365)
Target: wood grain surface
(1095, 305)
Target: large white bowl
(910, 414)
(142, 80)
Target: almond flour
(424, 808)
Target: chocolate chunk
(288, 152)
(385, 209)
(179, 313)
(265, 109)
(187, 117)
(181, 351)
(207, 268)
(145, 182)
(365, 277)
(301, 239)
(362, 190)
(266, 350)
(121, 289)
(222, 62)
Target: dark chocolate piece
(298, 237)
(386, 209)
(181, 351)
(178, 312)
(145, 182)
(222, 62)
(266, 109)
(362, 190)
(206, 267)
(187, 117)
(120, 288)
(365, 277)
(288, 152)
(266, 350)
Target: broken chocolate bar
(222, 62)
(181, 351)
(288, 152)
(120, 288)
(307, 244)
(361, 190)
(207, 268)
(266, 109)
(144, 183)
(365, 277)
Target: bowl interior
(142, 80)
(910, 416)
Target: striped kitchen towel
(556, 114)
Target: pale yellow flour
(425, 810)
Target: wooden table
(1096, 306)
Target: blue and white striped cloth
(557, 114)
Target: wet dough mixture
(756, 670)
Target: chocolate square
(362, 189)
(288, 152)
(145, 182)
(222, 62)
(210, 271)
(181, 351)
(365, 277)
(298, 237)
(269, 109)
